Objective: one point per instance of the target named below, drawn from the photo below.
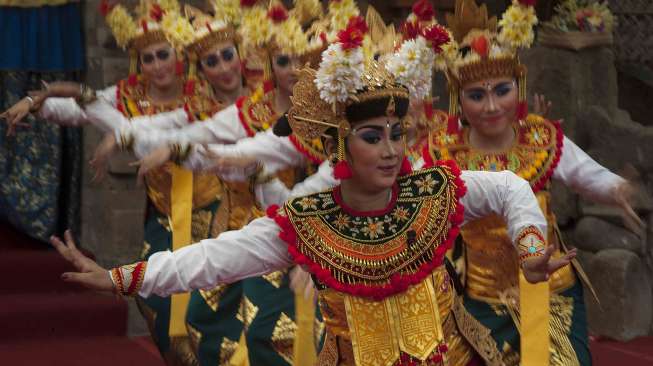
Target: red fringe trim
(398, 282)
(241, 116)
(189, 115)
(304, 151)
(541, 183)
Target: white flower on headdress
(412, 66)
(517, 26)
(178, 29)
(340, 73)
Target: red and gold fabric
(493, 272)
(381, 273)
(128, 279)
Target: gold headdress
(156, 21)
(267, 29)
(484, 50)
(207, 31)
(346, 76)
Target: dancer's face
(490, 105)
(285, 71)
(221, 67)
(158, 64)
(375, 150)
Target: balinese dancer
(375, 243)
(267, 308)
(151, 40)
(488, 90)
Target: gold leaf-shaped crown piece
(469, 16)
(382, 36)
(208, 30)
(379, 83)
(309, 116)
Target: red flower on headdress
(436, 35)
(156, 13)
(423, 10)
(105, 7)
(528, 2)
(410, 30)
(352, 36)
(247, 3)
(278, 14)
(481, 46)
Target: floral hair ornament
(205, 32)
(488, 49)
(346, 76)
(146, 29)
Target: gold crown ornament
(155, 21)
(347, 75)
(208, 31)
(268, 28)
(487, 48)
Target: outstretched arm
(590, 179)
(252, 251)
(507, 195)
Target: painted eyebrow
(377, 127)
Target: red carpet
(45, 321)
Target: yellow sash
(181, 214)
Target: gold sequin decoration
(227, 350)
(212, 296)
(283, 337)
(275, 278)
(200, 225)
(247, 312)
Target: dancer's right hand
(89, 274)
(15, 114)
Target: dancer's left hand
(155, 159)
(542, 106)
(539, 269)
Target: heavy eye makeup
(282, 60)
(162, 55)
(374, 134)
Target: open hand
(103, 152)
(623, 194)
(15, 115)
(539, 269)
(89, 274)
(155, 159)
(542, 106)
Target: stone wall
(583, 88)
